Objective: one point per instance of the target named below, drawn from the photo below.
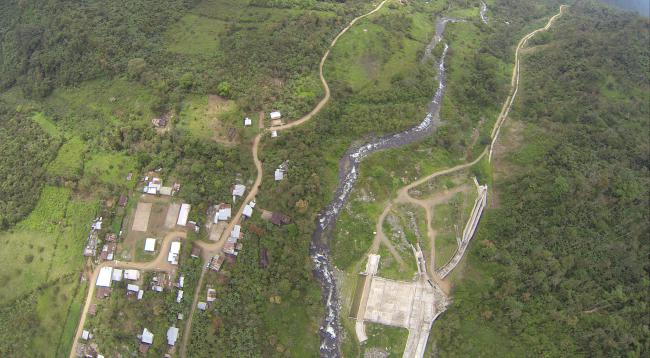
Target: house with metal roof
(147, 337)
(132, 274)
(104, 277)
(150, 245)
(183, 214)
(174, 252)
(172, 335)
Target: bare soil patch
(172, 215)
(141, 220)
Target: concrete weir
(412, 305)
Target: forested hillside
(26, 149)
(640, 6)
(559, 266)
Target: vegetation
(80, 83)
(561, 266)
(26, 149)
(41, 300)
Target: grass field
(42, 323)
(110, 168)
(68, 163)
(390, 268)
(212, 119)
(391, 340)
(47, 245)
(449, 220)
(41, 299)
(372, 54)
(195, 35)
(92, 107)
(47, 125)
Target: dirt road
(514, 81)
(403, 193)
(326, 87)
(211, 249)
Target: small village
(140, 265)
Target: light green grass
(47, 245)
(386, 338)
(49, 211)
(297, 329)
(204, 123)
(195, 35)
(449, 220)
(42, 323)
(390, 268)
(94, 106)
(68, 163)
(47, 125)
(110, 168)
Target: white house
(85, 335)
(248, 122)
(274, 134)
(223, 214)
(172, 335)
(140, 294)
(179, 296)
(104, 277)
(183, 214)
(147, 337)
(150, 245)
(236, 231)
(279, 174)
(276, 115)
(174, 251)
(181, 281)
(248, 211)
(117, 275)
(131, 274)
(132, 288)
(238, 190)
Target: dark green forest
(560, 267)
(640, 6)
(26, 149)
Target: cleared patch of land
(141, 218)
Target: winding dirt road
(514, 82)
(403, 193)
(211, 249)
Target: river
(348, 174)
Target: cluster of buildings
(146, 338)
(275, 116)
(104, 283)
(93, 238)
(153, 186)
(107, 275)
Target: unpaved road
(211, 249)
(514, 82)
(326, 87)
(404, 197)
